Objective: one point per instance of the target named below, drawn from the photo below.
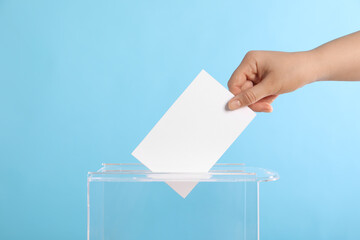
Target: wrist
(316, 66)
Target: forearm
(338, 59)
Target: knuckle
(251, 54)
(232, 87)
(249, 97)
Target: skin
(263, 75)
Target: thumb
(249, 96)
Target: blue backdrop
(82, 82)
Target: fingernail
(235, 104)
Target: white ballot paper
(194, 133)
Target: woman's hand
(263, 75)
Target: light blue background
(82, 82)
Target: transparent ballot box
(129, 202)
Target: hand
(263, 75)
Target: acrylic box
(129, 202)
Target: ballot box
(129, 202)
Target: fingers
(249, 96)
(248, 84)
(249, 88)
(264, 105)
(237, 80)
(269, 99)
(261, 107)
(242, 76)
